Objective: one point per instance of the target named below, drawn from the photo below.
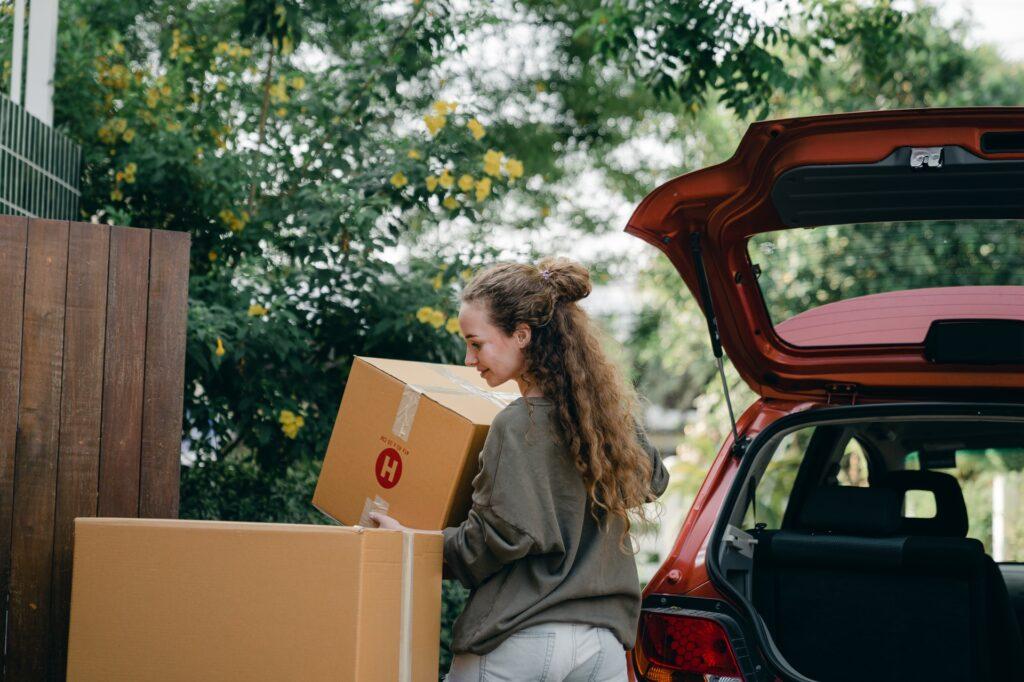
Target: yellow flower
(152, 97)
(129, 135)
(130, 168)
(452, 325)
(220, 348)
(298, 82)
(431, 183)
(221, 47)
(286, 45)
(475, 128)
(256, 310)
(437, 319)
(492, 162)
(236, 223)
(450, 203)
(221, 86)
(514, 168)
(434, 123)
(466, 182)
(279, 91)
(281, 111)
(441, 107)
(119, 176)
(423, 314)
(413, 154)
(438, 281)
(545, 212)
(173, 127)
(447, 179)
(483, 189)
(399, 180)
(212, 256)
(539, 86)
(116, 195)
(466, 274)
(291, 423)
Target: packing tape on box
(410, 402)
(405, 634)
(378, 505)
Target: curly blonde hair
(596, 410)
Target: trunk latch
(841, 394)
(926, 157)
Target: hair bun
(569, 279)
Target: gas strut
(738, 446)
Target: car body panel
(687, 554)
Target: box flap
(459, 389)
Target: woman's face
(497, 356)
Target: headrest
(853, 511)
(950, 518)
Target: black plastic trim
(975, 342)
(1004, 142)
(752, 665)
(819, 416)
(964, 186)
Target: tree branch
(263, 121)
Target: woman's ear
(522, 335)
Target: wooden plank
(82, 395)
(35, 470)
(165, 374)
(13, 242)
(124, 364)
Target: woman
(545, 549)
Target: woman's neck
(527, 389)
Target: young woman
(545, 550)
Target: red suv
(865, 274)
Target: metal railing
(39, 167)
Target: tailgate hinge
(841, 394)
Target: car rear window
(836, 285)
(991, 479)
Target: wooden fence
(92, 352)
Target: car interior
(867, 549)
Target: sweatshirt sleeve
(659, 474)
(488, 539)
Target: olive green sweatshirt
(530, 550)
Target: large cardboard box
(407, 438)
(163, 600)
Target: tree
(296, 141)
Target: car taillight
(684, 648)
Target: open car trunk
(847, 539)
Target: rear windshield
(835, 285)
(990, 478)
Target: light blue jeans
(550, 652)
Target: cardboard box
(407, 439)
(163, 600)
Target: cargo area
(882, 544)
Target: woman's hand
(385, 521)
